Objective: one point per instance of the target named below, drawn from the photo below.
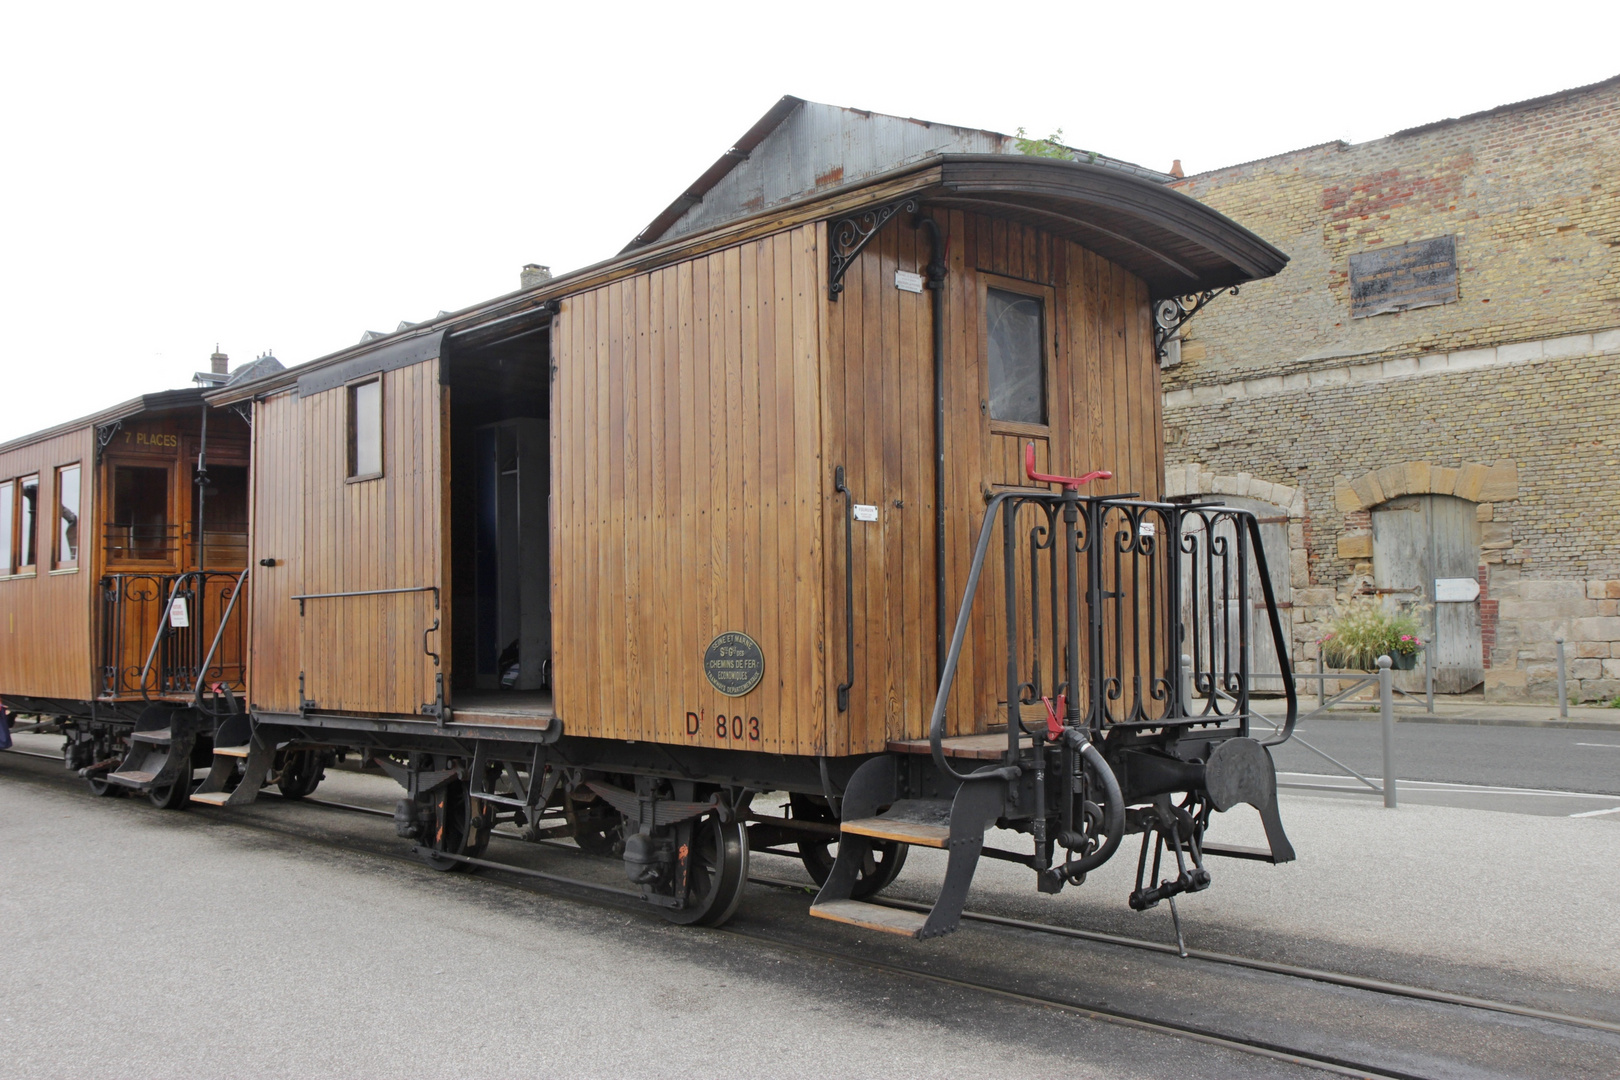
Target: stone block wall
(1508, 398)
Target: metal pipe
(1563, 691)
(1386, 710)
(937, 269)
(1428, 674)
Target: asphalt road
(1557, 759)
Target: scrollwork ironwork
(848, 237)
(1170, 314)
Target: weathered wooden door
(1417, 539)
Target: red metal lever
(1071, 482)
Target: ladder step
(924, 822)
(212, 798)
(232, 751)
(872, 916)
(162, 737)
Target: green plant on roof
(1049, 147)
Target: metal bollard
(1428, 673)
(1563, 691)
(1321, 684)
(1386, 710)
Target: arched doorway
(1417, 540)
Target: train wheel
(173, 797)
(883, 861)
(717, 873)
(452, 828)
(103, 787)
(301, 774)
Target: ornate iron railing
(1121, 612)
(143, 650)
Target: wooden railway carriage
(770, 503)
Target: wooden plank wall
(358, 654)
(277, 530)
(1104, 404)
(687, 484)
(46, 620)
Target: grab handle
(1072, 483)
(849, 588)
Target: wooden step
(924, 822)
(161, 737)
(133, 779)
(232, 751)
(872, 916)
(212, 798)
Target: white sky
(277, 176)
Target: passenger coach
(842, 481)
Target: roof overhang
(161, 402)
(1173, 242)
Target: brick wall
(1519, 378)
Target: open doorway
(500, 525)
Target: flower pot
(1403, 661)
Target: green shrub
(1362, 631)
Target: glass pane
(26, 541)
(67, 520)
(1017, 371)
(7, 494)
(140, 517)
(366, 423)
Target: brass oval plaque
(734, 664)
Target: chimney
(1175, 170)
(219, 363)
(535, 274)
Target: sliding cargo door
(369, 617)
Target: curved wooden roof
(1173, 242)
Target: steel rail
(1356, 982)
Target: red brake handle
(1071, 482)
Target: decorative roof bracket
(1171, 313)
(848, 237)
(104, 435)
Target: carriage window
(67, 517)
(140, 516)
(365, 429)
(7, 493)
(1017, 360)
(27, 506)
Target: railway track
(513, 875)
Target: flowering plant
(1363, 630)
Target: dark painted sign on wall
(1420, 274)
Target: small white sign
(865, 513)
(906, 281)
(179, 617)
(1145, 528)
(1455, 590)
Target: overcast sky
(280, 177)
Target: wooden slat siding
(49, 640)
(686, 447)
(776, 704)
(358, 654)
(817, 726)
(1102, 416)
(749, 607)
(809, 291)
